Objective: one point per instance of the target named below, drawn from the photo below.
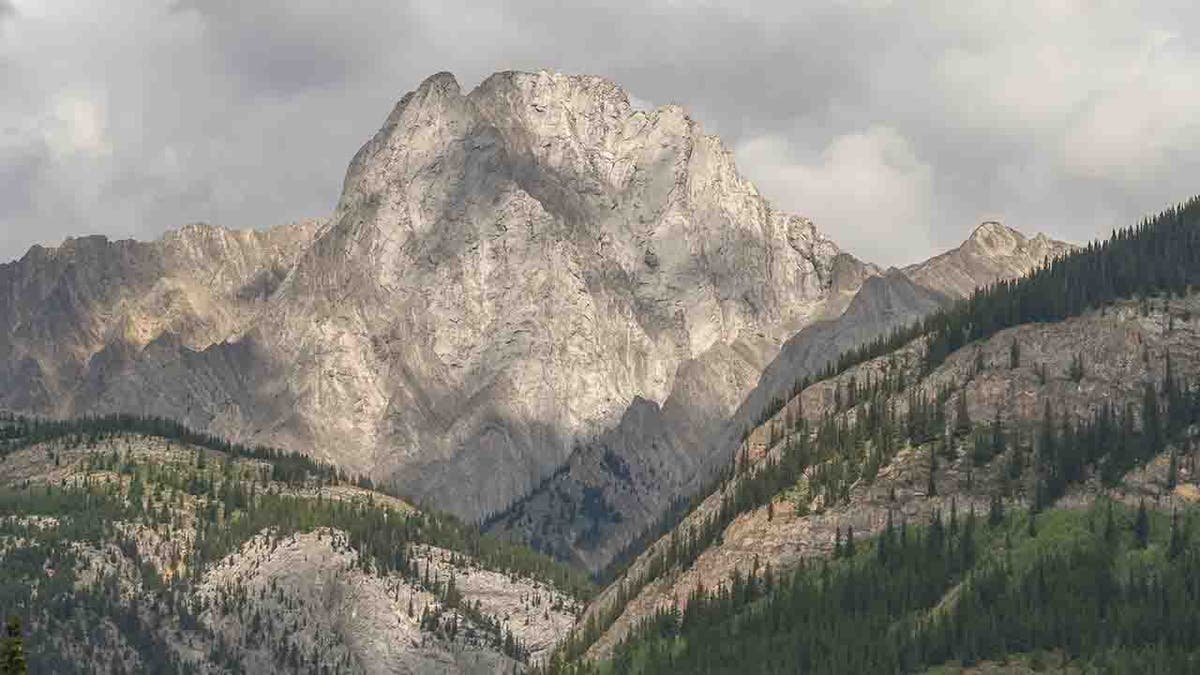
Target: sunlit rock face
(509, 273)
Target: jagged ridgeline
(144, 546)
(909, 416)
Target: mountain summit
(507, 271)
(993, 251)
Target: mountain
(135, 545)
(510, 273)
(75, 318)
(1076, 386)
(598, 507)
(993, 251)
(537, 307)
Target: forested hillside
(1109, 588)
(1028, 396)
(136, 545)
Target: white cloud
(1066, 115)
(869, 190)
(1131, 129)
(77, 125)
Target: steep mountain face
(615, 488)
(508, 269)
(509, 274)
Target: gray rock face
(613, 490)
(73, 318)
(508, 269)
(507, 272)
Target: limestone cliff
(507, 272)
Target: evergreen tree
(962, 420)
(1177, 544)
(12, 650)
(995, 511)
(1110, 526)
(1141, 526)
(931, 487)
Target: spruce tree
(995, 511)
(1177, 540)
(1110, 526)
(931, 488)
(962, 420)
(1141, 526)
(12, 650)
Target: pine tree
(1177, 538)
(931, 488)
(1014, 354)
(962, 420)
(1152, 435)
(995, 511)
(1110, 526)
(884, 542)
(12, 650)
(1141, 526)
(1076, 369)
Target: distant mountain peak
(993, 238)
(992, 252)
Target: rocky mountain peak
(509, 267)
(991, 238)
(507, 271)
(993, 251)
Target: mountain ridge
(505, 271)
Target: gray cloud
(895, 126)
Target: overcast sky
(895, 126)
